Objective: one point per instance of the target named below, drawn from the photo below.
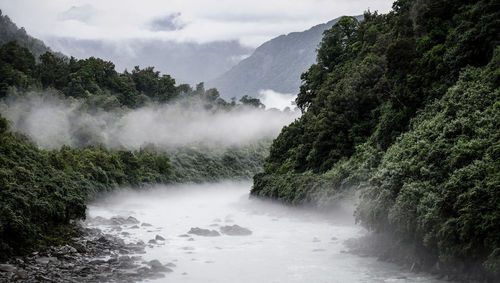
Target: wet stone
(203, 232)
(235, 230)
(7, 268)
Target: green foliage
(437, 185)
(250, 101)
(96, 82)
(405, 107)
(44, 190)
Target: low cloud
(84, 13)
(53, 122)
(273, 99)
(168, 23)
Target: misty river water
(286, 245)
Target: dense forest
(403, 108)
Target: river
(286, 245)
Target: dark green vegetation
(93, 80)
(406, 108)
(41, 191)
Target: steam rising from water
(53, 122)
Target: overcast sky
(250, 22)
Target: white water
(287, 244)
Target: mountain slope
(277, 64)
(9, 32)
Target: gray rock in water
(159, 238)
(46, 260)
(203, 232)
(22, 274)
(158, 267)
(170, 264)
(132, 220)
(235, 230)
(7, 268)
(155, 263)
(146, 224)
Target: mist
(53, 122)
(274, 99)
(285, 244)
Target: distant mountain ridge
(9, 32)
(277, 64)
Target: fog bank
(53, 122)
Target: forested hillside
(405, 108)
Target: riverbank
(93, 256)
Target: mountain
(277, 64)
(9, 32)
(188, 62)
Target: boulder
(203, 232)
(235, 230)
(7, 268)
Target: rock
(103, 240)
(235, 230)
(79, 247)
(152, 241)
(132, 220)
(159, 238)
(170, 264)
(184, 236)
(143, 270)
(45, 260)
(203, 232)
(7, 268)
(117, 220)
(158, 267)
(134, 227)
(22, 274)
(154, 263)
(97, 262)
(146, 225)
